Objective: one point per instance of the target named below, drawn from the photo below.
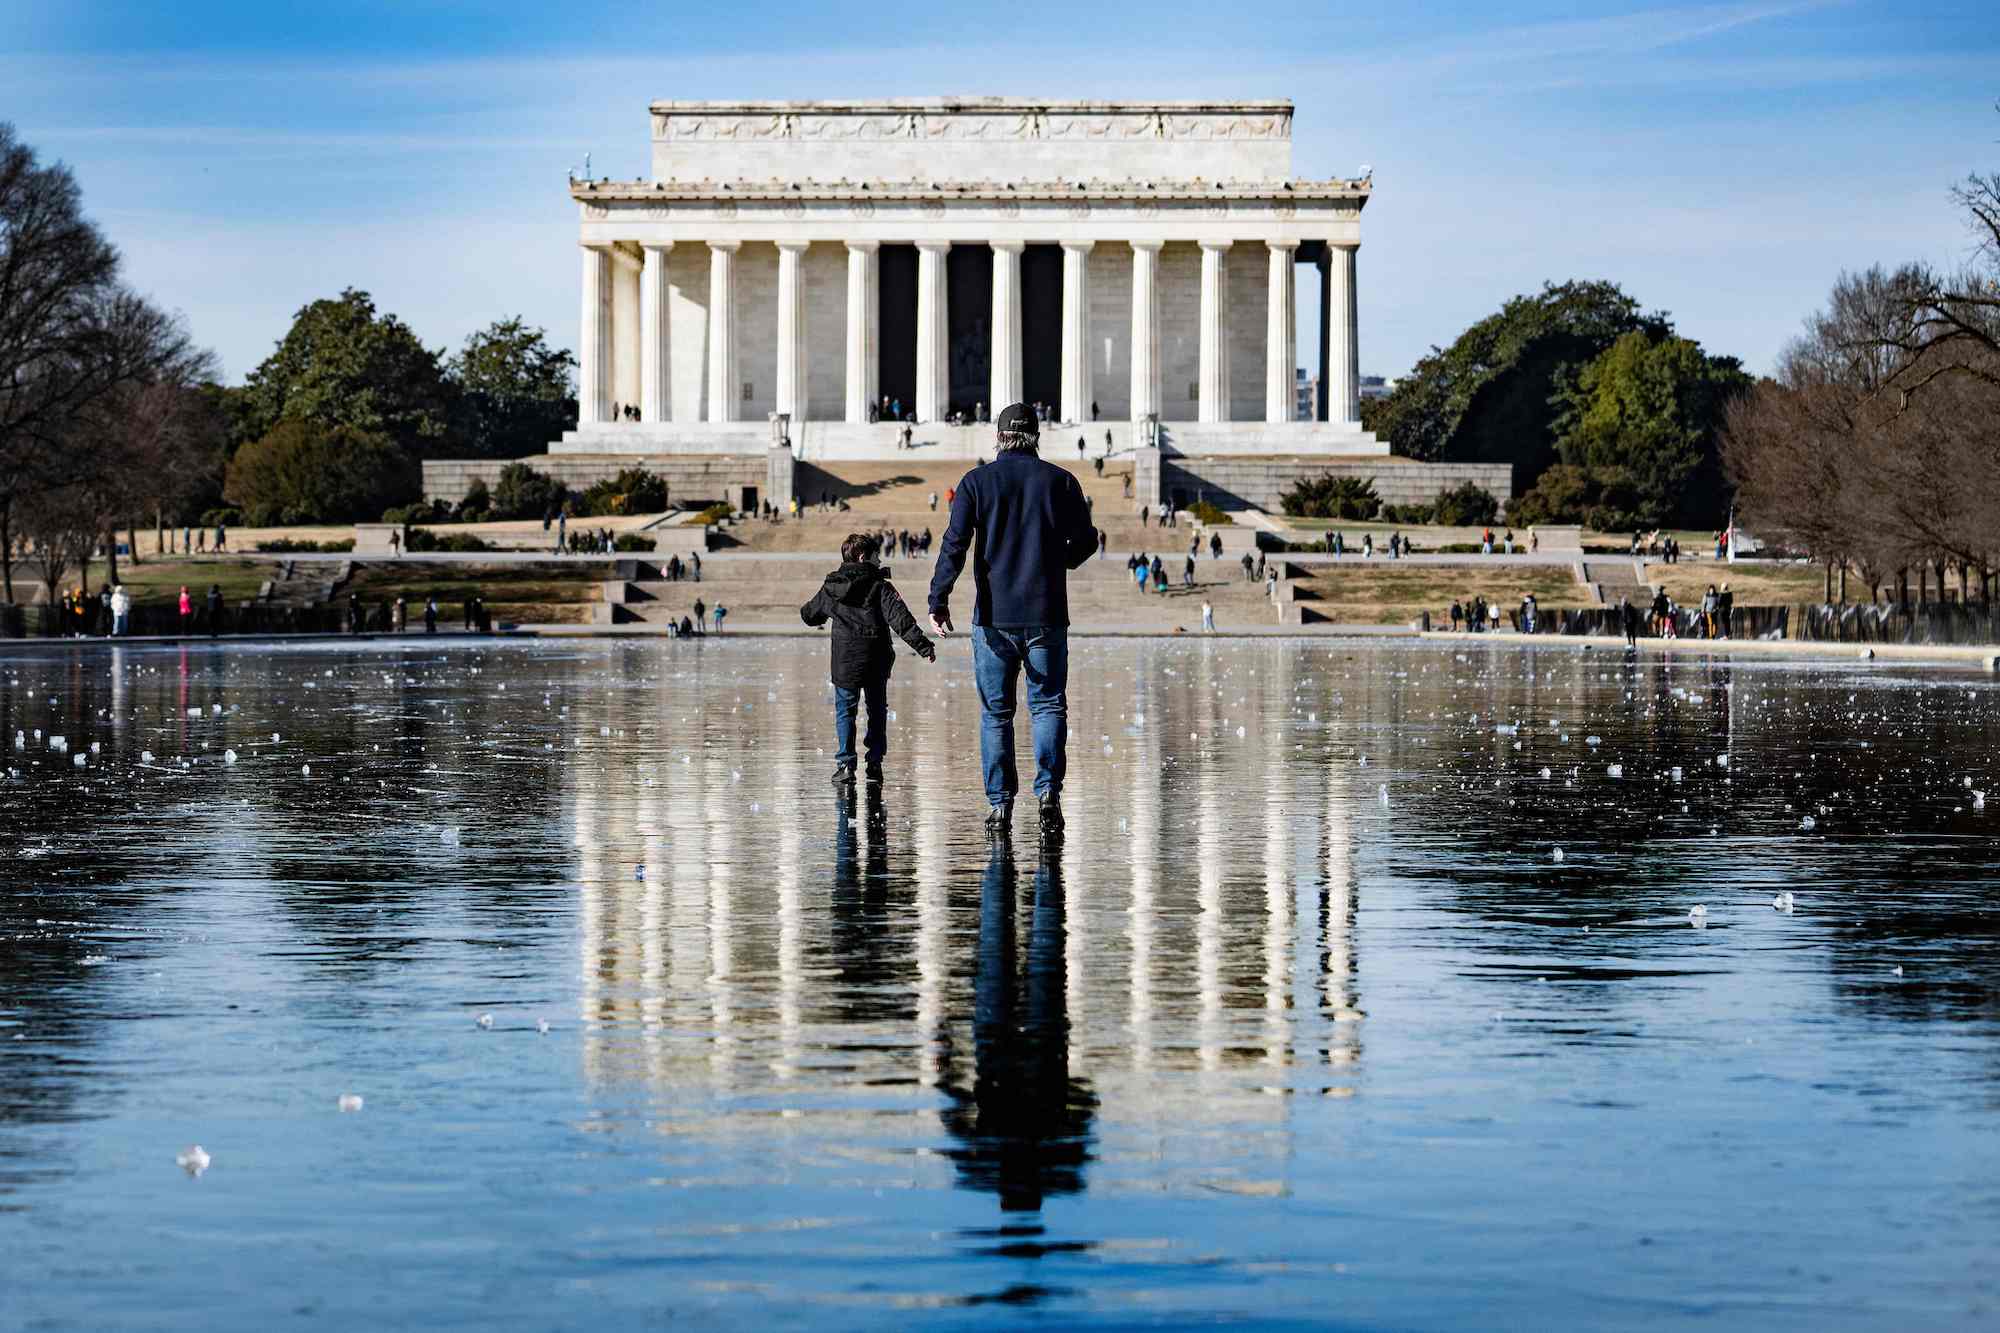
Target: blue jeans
(998, 655)
(846, 702)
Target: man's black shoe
(843, 776)
(1052, 815)
(1000, 818)
(875, 774)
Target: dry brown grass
(1395, 594)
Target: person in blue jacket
(1026, 525)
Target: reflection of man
(1031, 527)
(1023, 1128)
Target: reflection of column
(1142, 925)
(863, 342)
(1343, 391)
(933, 332)
(594, 338)
(1208, 870)
(1076, 388)
(1278, 930)
(1006, 349)
(655, 387)
(1213, 384)
(792, 330)
(1145, 329)
(1336, 910)
(724, 388)
(1281, 391)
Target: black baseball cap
(1017, 419)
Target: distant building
(1375, 386)
(1307, 396)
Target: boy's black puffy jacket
(864, 606)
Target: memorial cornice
(976, 119)
(982, 192)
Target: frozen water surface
(1305, 1021)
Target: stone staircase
(765, 591)
(1615, 578)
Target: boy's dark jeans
(846, 702)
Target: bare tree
(75, 348)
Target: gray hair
(1013, 441)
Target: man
(1027, 527)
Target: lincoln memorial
(812, 278)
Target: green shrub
(300, 472)
(424, 511)
(1329, 496)
(714, 514)
(286, 546)
(1466, 505)
(423, 539)
(1600, 498)
(477, 502)
(1415, 514)
(632, 491)
(1204, 512)
(634, 543)
(522, 492)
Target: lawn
(1388, 594)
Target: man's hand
(941, 621)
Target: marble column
(655, 388)
(725, 389)
(933, 332)
(1281, 335)
(1145, 329)
(1343, 389)
(1076, 387)
(864, 360)
(792, 330)
(1006, 349)
(1213, 384)
(594, 338)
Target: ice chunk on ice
(193, 1159)
(349, 1102)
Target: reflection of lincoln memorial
(1216, 959)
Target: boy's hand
(928, 653)
(941, 621)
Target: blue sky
(1721, 161)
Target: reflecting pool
(1366, 988)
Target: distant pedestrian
(187, 610)
(1079, 439)
(430, 615)
(121, 611)
(214, 609)
(694, 558)
(1248, 566)
(1187, 573)
(933, 501)
(402, 615)
(720, 612)
(1207, 618)
(221, 537)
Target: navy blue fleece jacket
(1027, 526)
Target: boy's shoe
(843, 776)
(1000, 818)
(874, 775)
(1052, 815)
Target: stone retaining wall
(689, 479)
(1256, 483)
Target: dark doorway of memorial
(1041, 325)
(969, 321)
(897, 325)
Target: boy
(864, 607)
